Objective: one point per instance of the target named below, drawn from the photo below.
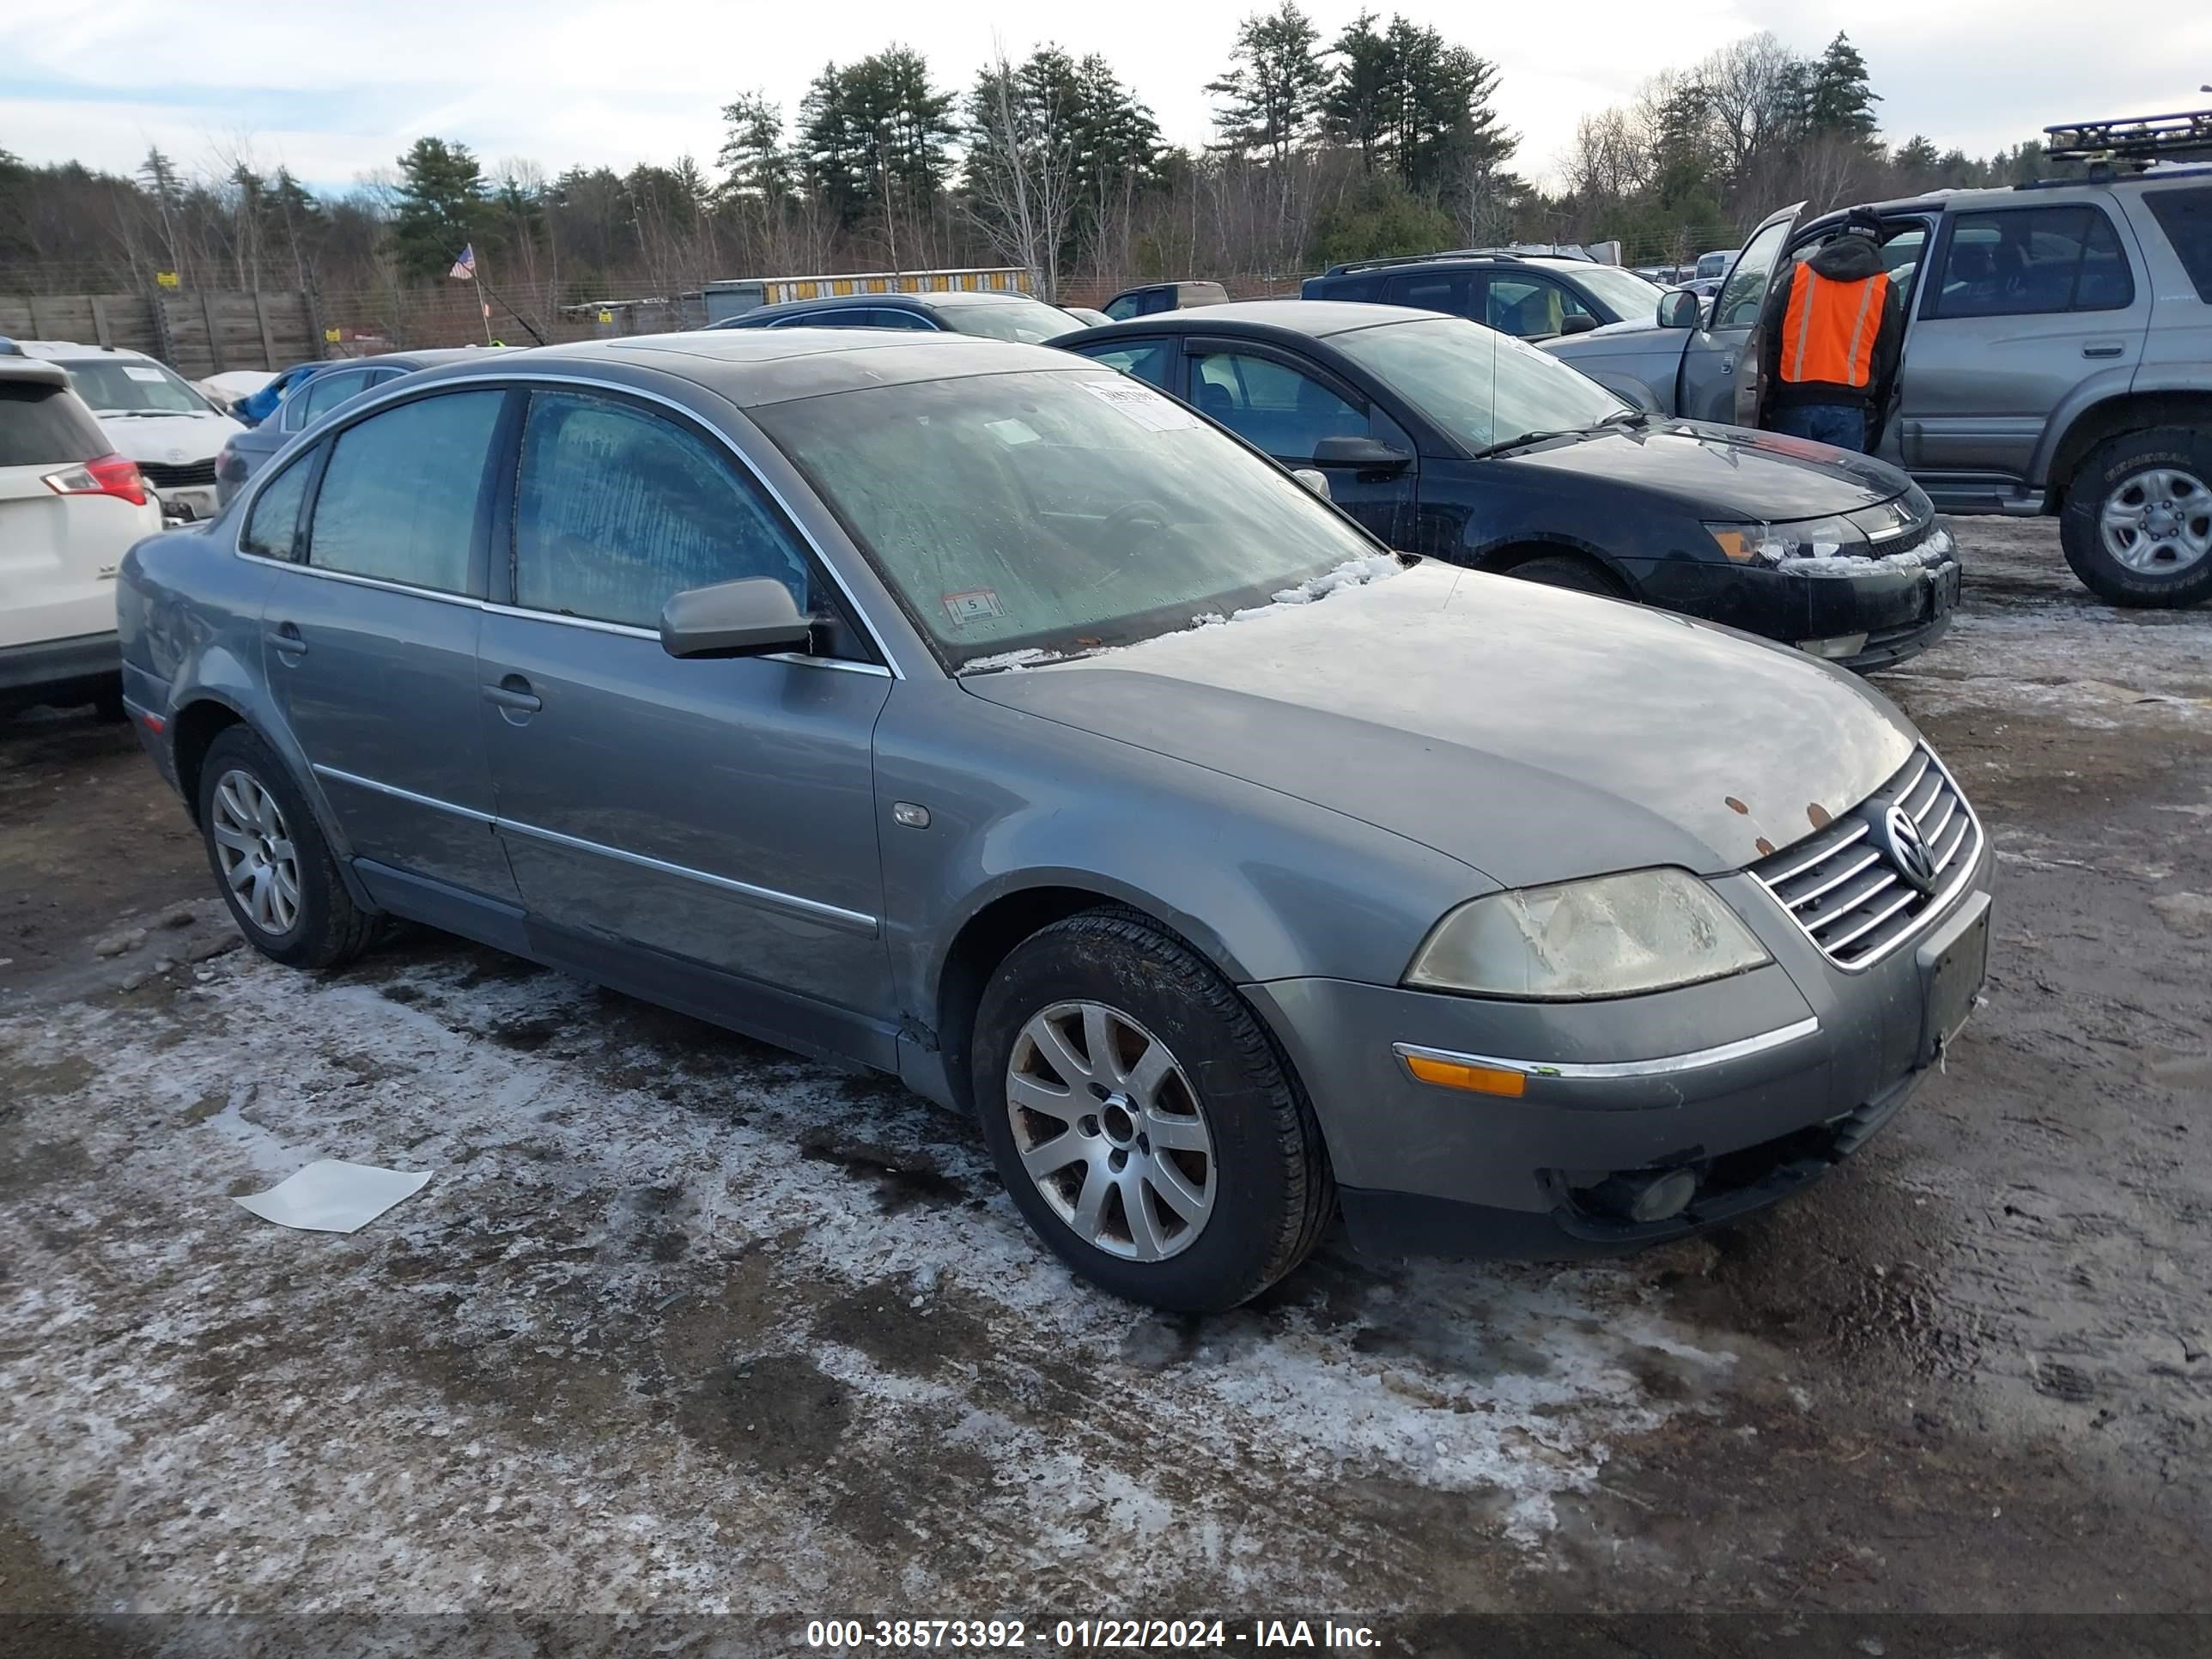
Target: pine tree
(1357, 106)
(755, 165)
(443, 207)
(1837, 95)
(1273, 89)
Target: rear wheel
(1566, 570)
(2137, 524)
(1141, 1119)
(270, 862)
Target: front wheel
(270, 862)
(1142, 1120)
(2137, 524)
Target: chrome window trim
(855, 921)
(626, 630)
(384, 583)
(369, 402)
(1567, 1071)
(398, 794)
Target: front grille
(163, 476)
(1845, 886)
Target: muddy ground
(686, 1325)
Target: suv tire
(2137, 523)
(1105, 1033)
(271, 864)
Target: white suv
(152, 416)
(70, 508)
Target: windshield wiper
(1618, 417)
(1627, 418)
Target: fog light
(1646, 1194)
(1836, 646)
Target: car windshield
(1032, 322)
(1055, 509)
(125, 385)
(1623, 291)
(1481, 387)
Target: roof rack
(2139, 139)
(1532, 251)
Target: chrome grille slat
(1839, 885)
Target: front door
(2029, 303)
(718, 812)
(1720, 362)
(369, 633)
(1286, 405)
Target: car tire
(1566, 570)
(1231, 1180)
(270, 862)
(2137, 523)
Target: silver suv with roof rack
(2057, 349)
(1527, 292)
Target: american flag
(465, 266)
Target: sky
(339, 88)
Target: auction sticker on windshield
(976, 604)
(153, 376)
(1146, 407)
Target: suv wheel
(270, 862)
(1142, 1121)
(2137, 525)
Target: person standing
(1830, 338)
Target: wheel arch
(1504, 560)
(2113, 416)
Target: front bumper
(186, 503)
(1758, 1084)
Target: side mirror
(1367, 455)
(1681, 309)
(1580, 322)
(1314, 479)
(749, 618)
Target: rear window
(43, 425)
(2185, 216)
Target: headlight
(1612, 936)
(1801, 538)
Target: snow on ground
(670, 1295)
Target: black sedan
(1448, 439)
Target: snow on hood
(168, 440)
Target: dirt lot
(685, 1325)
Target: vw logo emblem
(1898, 836)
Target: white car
(70, 508)
(151, 415)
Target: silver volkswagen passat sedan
(970, 711)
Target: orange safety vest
(1829, 330)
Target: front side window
(131, 386)
(404, 492)
(2021, 262)
(617, 510)
(1272, 405)
(1124, 306)
(327, 392)
(1625, 293)
(272, 530)
(1063, 509)
(1147, 360)
(1480, 385)
(1745, 291)
(1528, 306)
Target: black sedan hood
(1716, 472)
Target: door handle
(513, 693)
(2103, 349)
(284, 639)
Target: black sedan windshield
(1055, 510)
(1481, 387)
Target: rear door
(2022, 305)
(369, 629)
(57, 553)
(1719, 378)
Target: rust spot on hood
(1733, 804)
(1821, 816)
(1763, 845)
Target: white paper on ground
(331, 1197)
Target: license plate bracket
(1953, 967)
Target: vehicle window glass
(1061, 508)
(1029, 322)
(1148, 359)
(327, 392)
(1745, 291)
(2185, 216)
(131, 386)
(1271, 405)
(617, 510)
(1429, 292)
(1123, 306)
(272, 530)
(1625, 293)
(1159, 300)
(907, 320)
(1900, 255)
(1526, 306)
(2033, 261)
(1480, 385)
(44, 423)
(404, 491)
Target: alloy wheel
(2157, 521)
(259, 863)
(1109, 1127)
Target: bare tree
(1022, 167)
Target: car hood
(168, 440)
(1724, 472)
(1535, 734)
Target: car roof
(1316, 320)
(754, 367)
(64, 351)
(32, 369)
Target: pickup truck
(2057, 360)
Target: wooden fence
(197, 332)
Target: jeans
(1843, 425)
